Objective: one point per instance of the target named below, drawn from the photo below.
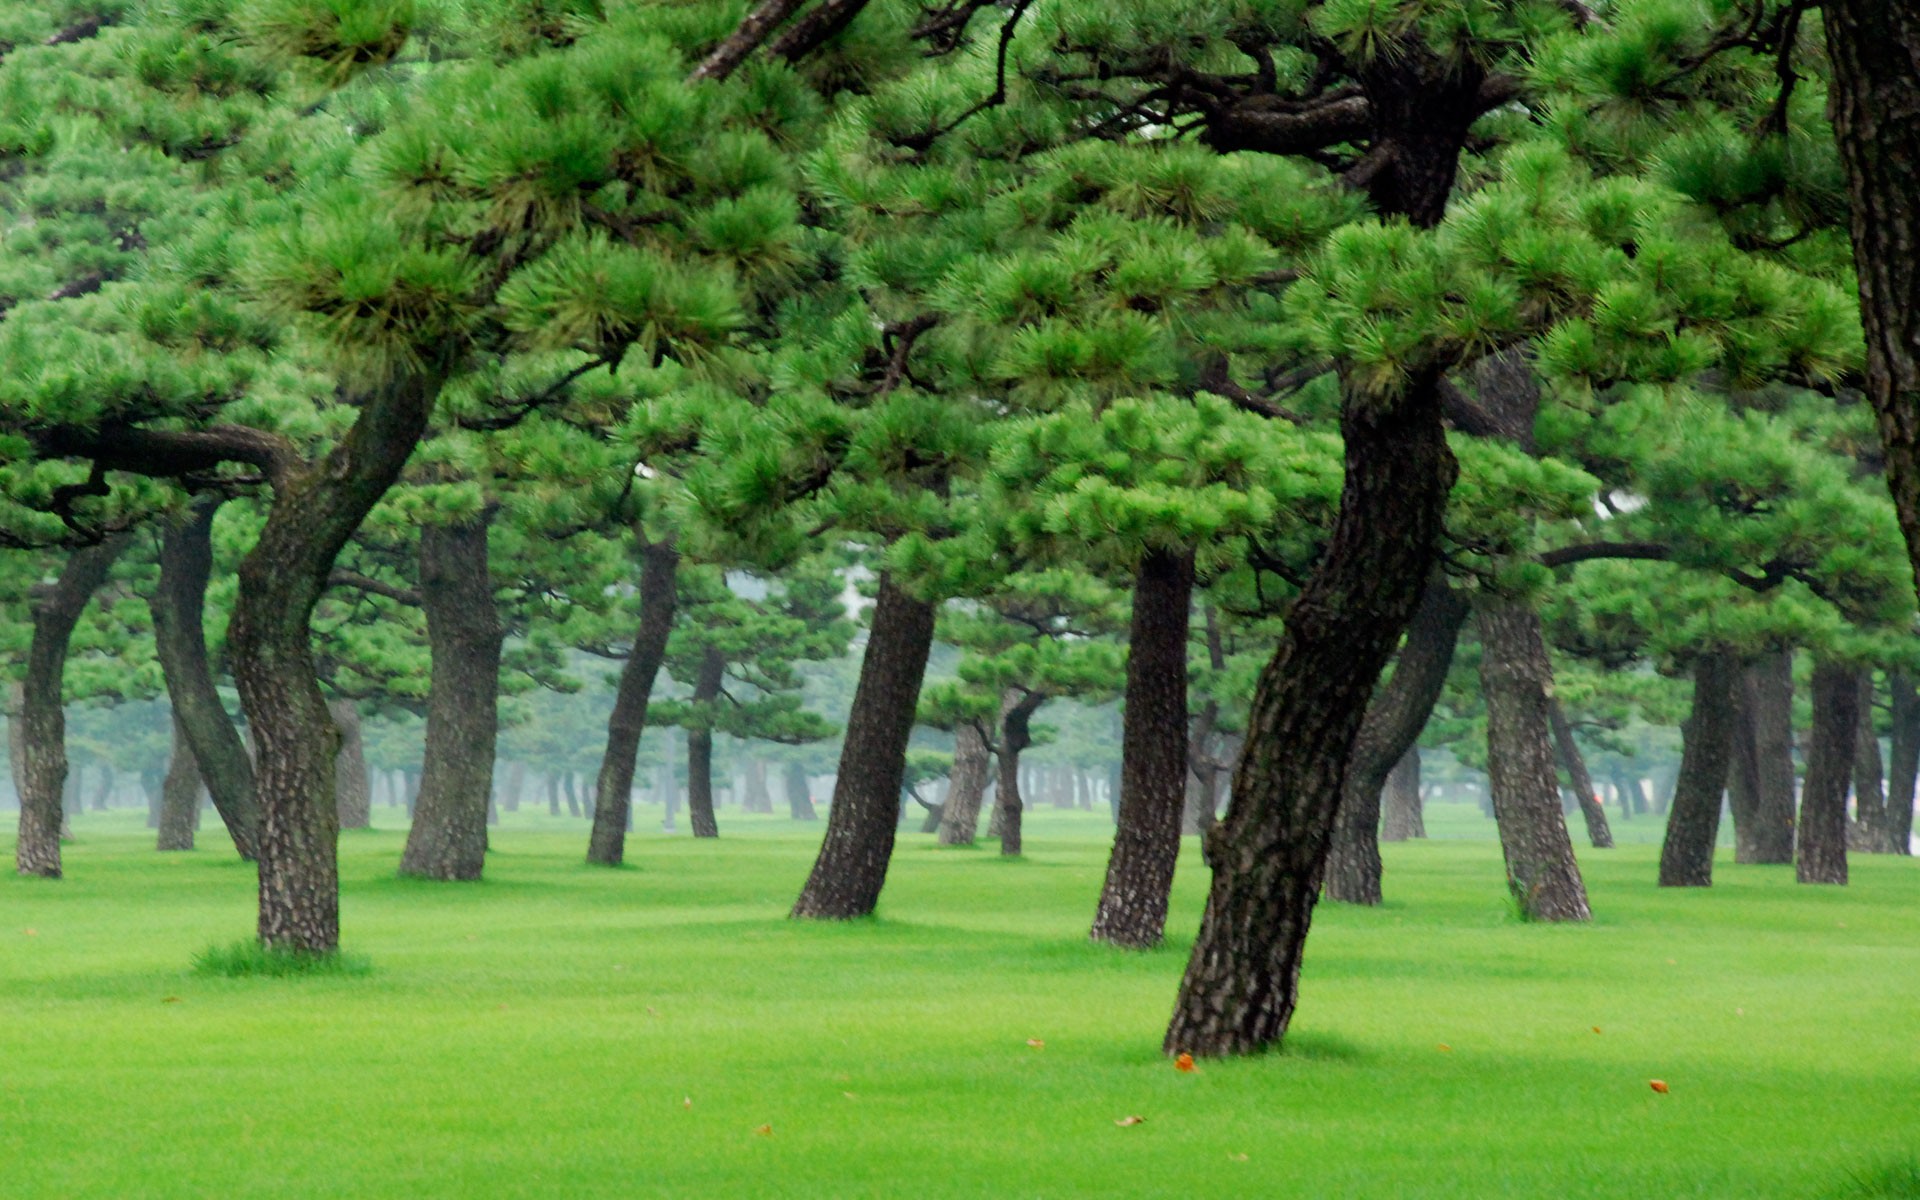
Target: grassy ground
(664, 1031)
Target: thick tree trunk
(1767, 694)
(706, 689)
(352, 788)
(1693, 823)
(1821, 850)
(1016, 734)
(1395, 717)
(799, 794)
(1132, 910)
(448, 839)
(972, 761)
(659, 569)
(1903, 761)
(1868, 833)
(41, 753)
(1599, 834)
(1517, 682)
(1401, 800)
(1874, 100)
(179, 795)
(852, 864)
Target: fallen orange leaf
(1658, 1085)
(169, 999)
(765, 1131)
(1596, 1029)
(1036, 1043)
(1184, 1063)
(33, 933)
(1128, 1120)
(1446, 1048)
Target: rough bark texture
(1016, 734)
(1903, 761)
(659, 568)
(1599, 834)
(1395, 717)
(1153, 756)
(799, 794)
(852, 864)
(180, 642)
(972, 762)
(448, 839)
(1821, 848)
(1766, 836)
(1400, 798)
(1874, 99)
(179, 796)
(706, 689)
(352, 786)
(1693, 822)
(1517, 682)
(1868, 833)
(40, 771)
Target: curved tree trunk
(1016, 734)
(706, 689)
(1693, 821)
(1518, 682)
(41, 761)
(852, 864)
(659, 568)
(448, 838)
(799, 794)
(1153, 756)
(1599, 834)
(1400, 798)
(179, 796)
(352, 788)
(972, 762)
(1821, 852)
(1903, 761)
(1395, 717)
(1868, 833)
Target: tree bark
(757, 798)
(852, 864)
(1517, 681)
(706, 689)
(179, 795)
(448, 838)
(41, 758)
(1821, 848)
(1693, 822)
(1903, 761)
(1599, 834)
(1395, 717)
(1401, 799)
(1868, 833)
(1767, 695)
(1016, 734)
(1132, 911)
(799, 794)
(516, 782)
(659, 568)
(972, 761)
(352, 790)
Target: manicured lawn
(563, 1031)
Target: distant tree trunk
(1395, 716)
(1516, 680)
(799, 794)
(564, 779)
(1016, 734)
(669, 795)
(1868, 833)
(1401, 800)
(516, 785)
(40, 756)
(1767, 692)
(448, 839)
(1693, 824)
(972, 761)
(659, 569)
(352, 790)
(852, 864)
(758, 798)
(103, 787)
(1154, 752)
(1598, 832)
(1203, 768)
(1821, 856)
(706, 689)
(1903, 761)
(179, 795)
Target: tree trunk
(960, 817)
(756, 797)
(706, 689)
(179, 795)
(1517, 682)
(659, 569)
(1874, 100)
(1767, 693)
(1599, 835)
(1401, 799)
(1903, 761)
(516, 783)
(852, 864)
(1153, 756)
(40, 760)
(799, 794)
(1693, 823)
(448, 839)
(1395, 717)
(669, 795)
(1869, 833)
(1016, 734)
(353, 791)
(1821, 852)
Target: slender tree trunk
(1868, 834)
(659, 569)
(353, 793)
(799, 794)
(1395, 717)
(1743, 772)
(1517, 682)
(1768, 695)
(1903, 761)
(448, 839)
(1401, 799)
(758, 798)
(972, 761)
(179, 795)
(1016, 734)
(1153, 756)
(1599, 834)
(1693, 823)
(516, 783)
(706, 689)
(670, 795)
(852, 865)
(1821, 852)
(40, 756)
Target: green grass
(563, 1031)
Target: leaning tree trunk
(706, 689)
(799, 794)
(972, 762)
(1693, 821)
(1599, 834)
(179, 795)
(1874, 100)
(1153, 756)
(852, 864)
(448, 838)
(1767, 692)
(1868, 833)
(659, 568)
(1517, 682)
(40, 768)
(1401, 799)
(1821, 852)
(1395, 717)
(1016, 734)
(1903, 761)
(352, 787)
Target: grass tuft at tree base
(247, 959)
